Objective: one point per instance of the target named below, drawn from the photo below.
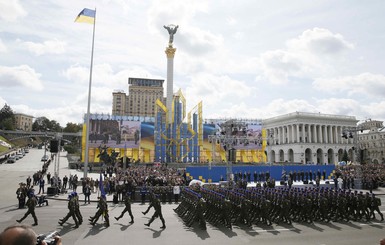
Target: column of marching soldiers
(228, 205)
(155, 194)
(102, 210)
(260, 205)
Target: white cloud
(11, 10)
(63, 114)
(314, 53)
(339, 106)
(231, 21)
(3, 48)
(373, 110)
(104, 74)
(77, 74)
(173, 12)
(199, 42)
(320, 41)
(189, 38)
(2, 102)
(363, 84)
(46, 47)
(216, 90)
(22, 75)
(278, 65)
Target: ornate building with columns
(371, 138)
(309, 138)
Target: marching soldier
(71, 211)
(102, 210)
(77, 208)
(151, 197)
(31, 204)
(375, 203)
(127, 203)
(158, 213)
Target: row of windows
(372, 137)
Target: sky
(244, 59)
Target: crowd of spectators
(372, 176)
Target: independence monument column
(170, 52)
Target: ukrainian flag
(86, 16)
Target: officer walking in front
(31, 204)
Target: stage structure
(173, 135)
(236, 141)
(178, 141)
(186, 139)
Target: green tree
(7, 118)
(345, 156)
(44, 124)
(73, 127)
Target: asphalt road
(121, 232)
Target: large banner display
(135, 140)
(114, 137)
(246, 140)
(114, 134)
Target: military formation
(235, 204)
(261, 205)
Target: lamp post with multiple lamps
(352, 133)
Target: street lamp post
(352, 133)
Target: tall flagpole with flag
(88, 16)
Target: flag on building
(86, 16)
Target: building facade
(309, 138)
(371, 138)
(23, 122)
(119, 103)
(141, 98)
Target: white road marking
(373, 224)
(283, 229)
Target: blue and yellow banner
(86, 16)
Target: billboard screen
(114, 134)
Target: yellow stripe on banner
(223, 155)
(85, 19)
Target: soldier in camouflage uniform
(71, 212)
(31, 204)
(77, 208)
(375, 203)
(102, 210)
(127, 203)
(158, 213)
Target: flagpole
(89, 104)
